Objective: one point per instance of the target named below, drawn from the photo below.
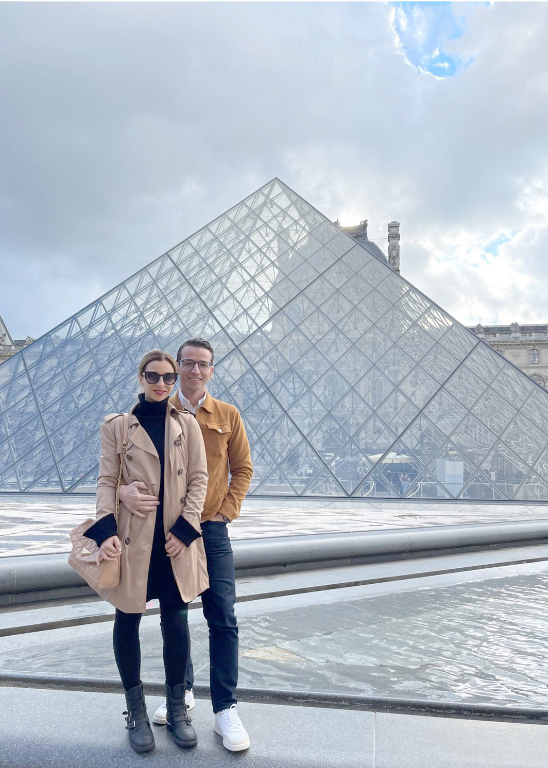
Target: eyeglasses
(188, 365)
(153, 378)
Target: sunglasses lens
(153, 378)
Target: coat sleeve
(241, 469)
(109, 468)
(196, 475)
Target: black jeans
(127, 648)
(218, 604)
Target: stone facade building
(524, 345)
(9, 346)
(359, 233)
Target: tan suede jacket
(227, 448)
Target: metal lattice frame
(351, 382)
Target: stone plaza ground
(465, 629)
(33, 524)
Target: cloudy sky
(127, 126)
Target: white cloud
(420, 27)
(402, 18)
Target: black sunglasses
(153, 378)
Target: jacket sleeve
(109, 468)
(184, 531)
(196, 477)
(241, 469)
(103, 529)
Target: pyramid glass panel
(396, 365)
(533, 489)
(535, 409)
(505, 469)
(349, 465)
(451, 468)
(473, 438)
(351, 412)
(377, 485)
(481, 487)
(288, 388)
(374, 387)
(541, 466)
(425, 486)
(423, 439)
(350, 381)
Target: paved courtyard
(39, 525)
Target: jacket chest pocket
(216, 437)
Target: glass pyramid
(351, 382)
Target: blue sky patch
(424, 28)
(493, 245)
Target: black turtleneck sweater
(161, 583)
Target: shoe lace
(231, 719)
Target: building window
(533, 357)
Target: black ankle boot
(178, 720)
(138, 725)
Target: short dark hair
(196, 342)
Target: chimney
(394, 245)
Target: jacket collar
(208, 403)
(175, 401)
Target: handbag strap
(125, 429)
(183, 428)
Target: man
(227, 449)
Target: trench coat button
(127, 540)
(129, 458)
(183, 500)
(177, 442)
(179, 471)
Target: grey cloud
(130, 125)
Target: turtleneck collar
(148, 408)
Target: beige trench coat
(185, 487)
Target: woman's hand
(174, 546)
(110, 549)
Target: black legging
(127, 648)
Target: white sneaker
(160, 716)
(229, 726)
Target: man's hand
(218, 518)
(136, 501)
(110, 549)
(174, 546)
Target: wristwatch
(225, 518)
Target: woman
(162, 554)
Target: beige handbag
(83, 556)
